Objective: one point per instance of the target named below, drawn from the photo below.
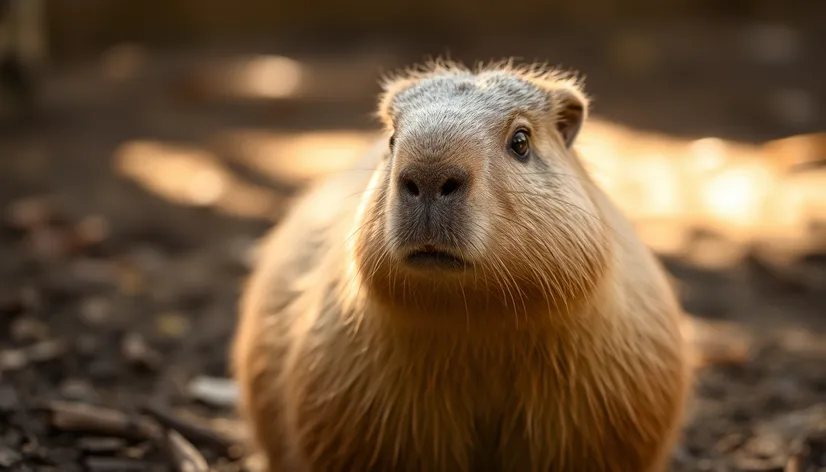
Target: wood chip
(214, 391)
(184, 455)
(80, 417)
(194, 433)
(136, 350)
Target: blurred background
(146, 145)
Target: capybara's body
(463, 299)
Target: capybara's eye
(392, 141)
(519, 144)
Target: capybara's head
(481, 194)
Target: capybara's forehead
(485, 93)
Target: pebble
(219, 392)
(95, 310)
(9, 457)
(79, 390)
(138, 353)
(12, 359)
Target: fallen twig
(194, 433)
(185, 456)
(214, 391)
(159, 426)
(93, 419)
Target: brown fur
(559, 351)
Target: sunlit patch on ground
(194, 177)
(745, 194)
(295, 158)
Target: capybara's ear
(571, 109)
(569, 103)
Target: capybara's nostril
(451, 185)
(410, 187)
(432, 183)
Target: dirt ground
(119, 290)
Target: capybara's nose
(432, 184)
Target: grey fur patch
(489, 91)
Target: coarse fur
(557, 349)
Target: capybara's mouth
(433, 258)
